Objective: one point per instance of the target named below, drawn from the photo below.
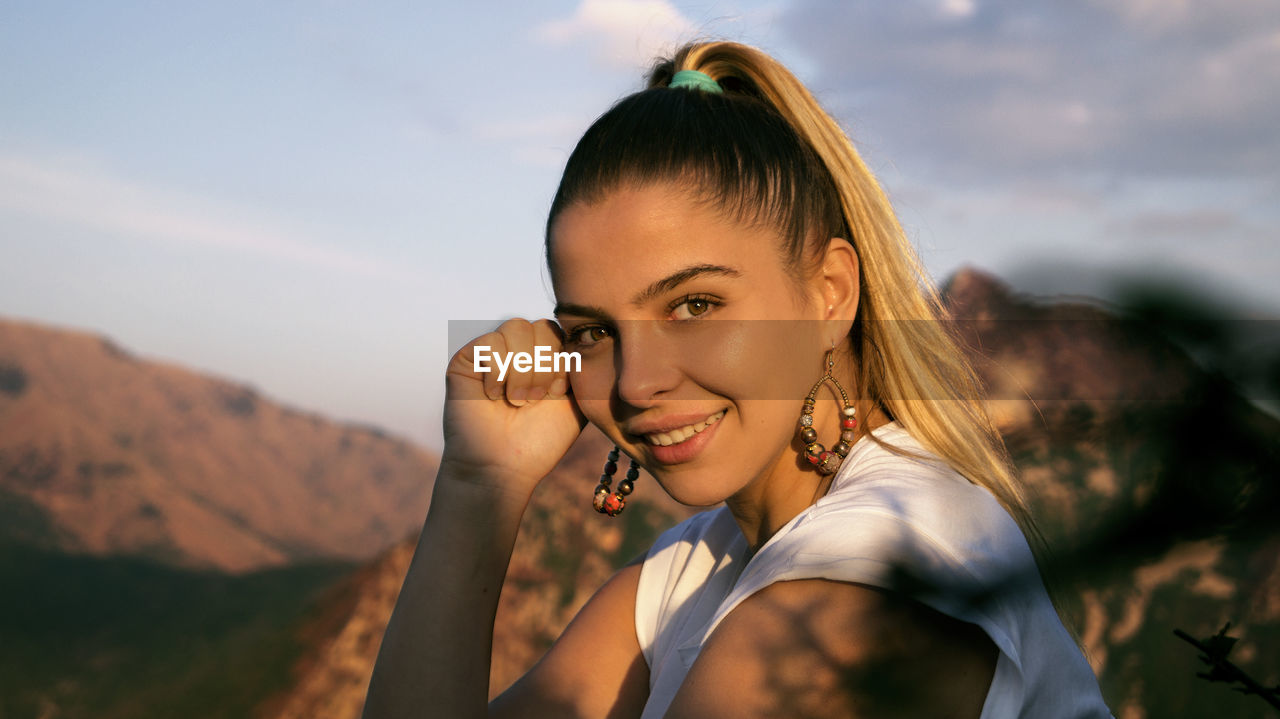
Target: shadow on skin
(829, 649)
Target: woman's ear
(840, 287)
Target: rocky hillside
(1154, 484)
(564, 552)
(104, 453)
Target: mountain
(106, 454)
(163, 534)
(120, 637)
(564, 552)
(1153, 483)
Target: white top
(886, 517)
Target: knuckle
(549, 332)
(514, 325)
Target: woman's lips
(681, 434)
(683, 443)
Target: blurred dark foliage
(13, 381)
(1214, 651)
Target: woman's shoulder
(897, 513)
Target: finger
(467, 367)
(497, 345)
(518, 334)
(553, 383)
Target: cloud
(94, 199)
(1195, 223)
(1009, 86)
(624, 33)
(959, 8)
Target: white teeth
(676, 436)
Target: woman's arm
(501, 439)
(436, 667)
(595, 669)
(434, 659)
(819, 648)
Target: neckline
(856, 452)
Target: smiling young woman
(742, 298)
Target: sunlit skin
(681, 313)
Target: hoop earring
(613, 502)
(827, 462)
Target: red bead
(610, 467)
(824, 458)
(613, 504)
(848, 423)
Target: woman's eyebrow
(675, 279)
(666, 284)
(588, 311)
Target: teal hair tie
(695, 80)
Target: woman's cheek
(713, 353)
(747, 360)
(592, 387)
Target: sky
(302, 196)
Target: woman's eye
(587, 336)
(690, 308)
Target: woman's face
(693, 360)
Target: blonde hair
(910, 362)
(765, 151)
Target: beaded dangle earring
(827, 462)
(613, 502)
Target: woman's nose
(646, 367)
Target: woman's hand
(507, 433)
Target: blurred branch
(1215, 650)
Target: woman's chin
(695, 489)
